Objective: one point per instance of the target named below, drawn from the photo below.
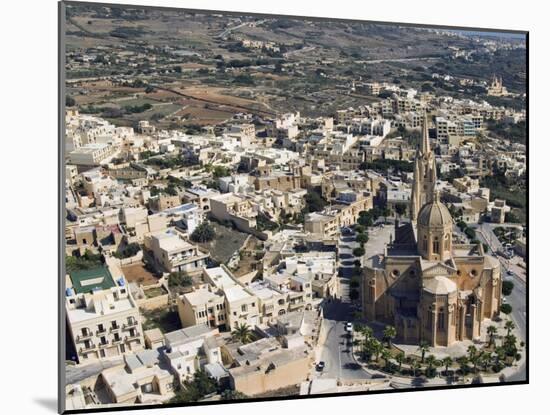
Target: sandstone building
(428, 287)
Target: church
(428, 287)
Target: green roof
(88, 280)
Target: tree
(500, 355)
(399, 358)
(203, 233)
(179, 279)
(400, 209)
(314, 201)
(365, 220)
(447, 361)
(362, 238)
(415, 365)
(376, 348)
(386, 355)
(242, 333)
(472, 351)
(432, 362)
(69, 101)
(423, 347)
(475, 359)
(192, 391)
(507, 287)
(485, 359)
(463, 362)
(509, 326)
(359, 252)
(389, 334)
(491, 332)
(506, 308)
(128, 251)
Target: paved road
(519, 316)
(336, 352)
(518, 297)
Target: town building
(102, 317)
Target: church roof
(439, 285)
(434, 214)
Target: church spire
(415, 194)
(425, 148)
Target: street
(336, 352)
(517, 299)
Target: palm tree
(423, 347)
(242, 333)
(367, 332)
(400, 357)
(415, 365)
(491, 332)
(510, 344)
(431, 361)
(463, 362)
(389, 334)
(509, 326)
(447, 361)
(485, 360)
(472, 351)
(475, 359)
(377, 348)
(500, 355)
(386, 357)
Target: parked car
(349, 327)
(320, 366)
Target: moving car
(349, 327)
(320, 366)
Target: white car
(349, 327)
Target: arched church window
(425, 243)
(435, 244)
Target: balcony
(136, 335)
(114, 328)
(116, 341)
(85, 336)
(100, 332)
(130, 324)
(102, 345)
(85, 349)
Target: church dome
(434, 214)
(439, 286)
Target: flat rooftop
(88, 280)
(236, 293)
(200, 297)
(182, 336)
(219, 277)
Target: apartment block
(102, 316)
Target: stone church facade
(424, 284)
